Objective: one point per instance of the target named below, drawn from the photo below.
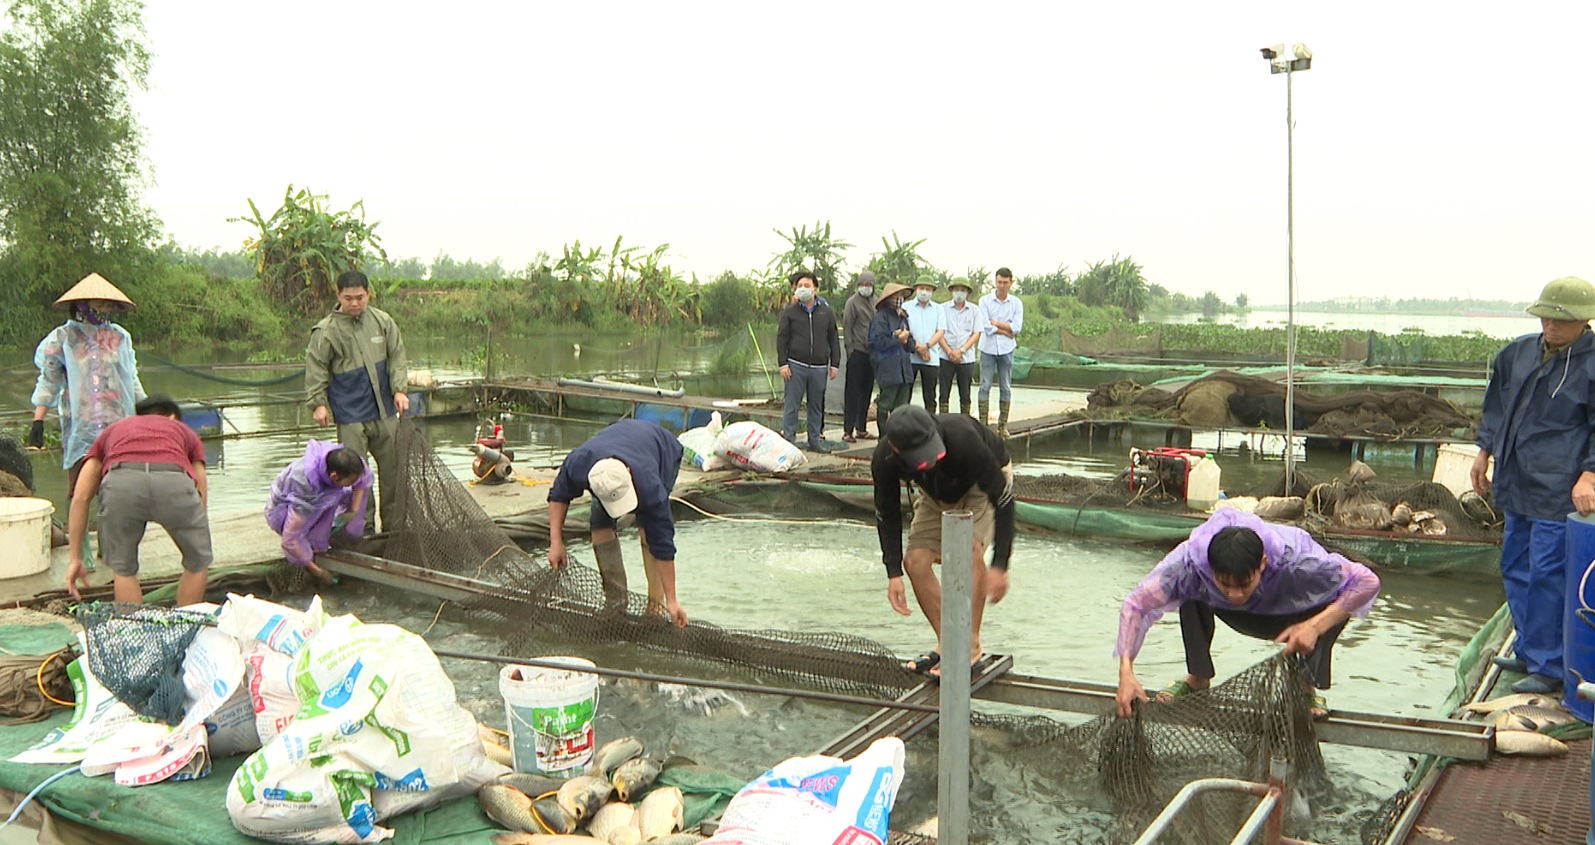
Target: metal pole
(1290, 290)
(957, 615)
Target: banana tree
(303, 247)
(817, 251)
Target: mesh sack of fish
(622, 799)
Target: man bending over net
(1264, 580)
(310, 494)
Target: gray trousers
(132, 495)
(377, 439)
(805, 382)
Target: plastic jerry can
(1202, 486)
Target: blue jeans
(1002, 365)
(1533, 569)
(806, 384)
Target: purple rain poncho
(304, 502)
(1298, 575)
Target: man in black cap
(149, 467)
(958, 464)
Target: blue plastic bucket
(1578, 629)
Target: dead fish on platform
(1515, 700)
(611, 819)
(555, 818)
(494, 747)
(661, 813)
(634, 776)
(508, 806)
(1528, 744)
(581, 797)
(543, 839)
(531, 783)
(1530, 717)
(615, 752)
(701, 698)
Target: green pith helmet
(1567, 298)
(962, 282)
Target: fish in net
(136, 652)
(1136, 765)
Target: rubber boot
(985, 412)
(612, 568)
(656, 586)
(1002, 417)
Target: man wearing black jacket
(809, 350)
(958, 464)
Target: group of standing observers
(893, 339)
(133, 453)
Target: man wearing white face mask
(809, 350)
(928, 323)
(957, 347)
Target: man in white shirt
(1003, 316)
(957, 349)
(928, 323)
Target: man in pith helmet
(87, 371)
(1539, 412)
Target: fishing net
(445, 530)
(1232, 730)
(1226, 399)
(14, 462)
(136, 651)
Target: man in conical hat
(87, 371)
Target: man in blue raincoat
(310, 494)
(1539, 411)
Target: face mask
(897, 301)
(93, 316)
(960, 296)
(805, 294)
(922, 295)
(866, 290)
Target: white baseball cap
(610, 481)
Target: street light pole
(1301, 59)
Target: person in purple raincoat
(310, 494)
(1263, 580)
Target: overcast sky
(1441, 149)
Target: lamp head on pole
(1300, 58)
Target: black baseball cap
(913, 435)
(161, 404)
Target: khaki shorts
(925, 531)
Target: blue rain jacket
(892, 361)
(89, 375)
(1537, 423)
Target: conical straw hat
(94, 286)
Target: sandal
(923, 663)
(1175, 690)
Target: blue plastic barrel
(1578, 629)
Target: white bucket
(1453, 467)
(24, 536)
(551, 713)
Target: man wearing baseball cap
(630, 466)
(958, 464)
(1539, 411)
